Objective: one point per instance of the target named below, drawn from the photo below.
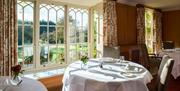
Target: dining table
(105, 74)
(26, 85)
(175, 54)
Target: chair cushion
(164, 60)
(165, 71)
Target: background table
(176, 56)
(112, 77)
(26, 85)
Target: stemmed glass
(101, 63)
(121, 59)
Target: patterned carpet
(55, 83)
(174, 84)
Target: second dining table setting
(106, 74)
(175, 54)
(27, 84)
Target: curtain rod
(142, 5)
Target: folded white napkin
(107, 60)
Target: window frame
(23, 25)
(78, 28)
(36, 26)
(48, 26)
(98, 10)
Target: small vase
(15, 80)
(84, 66)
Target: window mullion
(23, 36)
(56, 29)
(48, 36)
(90, 33)
(66, 33)
(81, 37)
(76, 31)
(36, 35)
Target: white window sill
(44, 74)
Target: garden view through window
(49, 36)
(25, 33)
(149, 37)
(78, 34)
(98, 34)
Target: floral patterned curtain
(109, 23)
(157, 30)
(8, 36)
(140, 25)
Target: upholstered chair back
(168, 45)
(139, 55)
(164, 59)
(113, 52)
(164, 73)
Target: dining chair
(139, 54)
(160, 83)
(168, 45)
(136, 55)
(113, 51)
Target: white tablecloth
(124, 76)
(26, 85)
(176, 56)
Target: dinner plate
(129, 75)
(131, 69)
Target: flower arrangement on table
(16, 71)
(84, 59)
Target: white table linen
(175, 54)
(26, 85)
(112, 77)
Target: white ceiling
(87, 3)
(162, 4)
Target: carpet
(54, 83)
(174, 84)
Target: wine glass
(101, 63)
(121, 58)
